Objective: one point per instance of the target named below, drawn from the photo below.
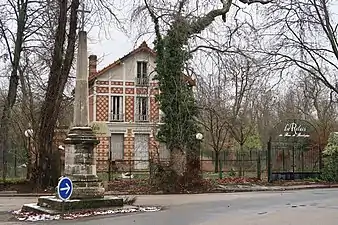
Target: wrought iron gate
(293, 151)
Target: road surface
(308, 207)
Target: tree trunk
(13, 85)
(178, 161)
(241, 172)
(216, 161)
(193, 166)
(60, 68)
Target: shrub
(330, 159)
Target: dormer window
(142, 73)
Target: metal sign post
(64, 190)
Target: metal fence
(15, 168)
(230, 163)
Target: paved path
(308, 207)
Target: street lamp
(29, 135)
(199, 138)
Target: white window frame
(142, 76)
(139, 109)
(116, 102)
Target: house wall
(120, 80)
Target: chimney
(92, 65)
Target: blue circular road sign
(65, 188)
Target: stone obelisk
(80, 163)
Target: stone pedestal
(53, 205)
(80, 165)
(88, 190)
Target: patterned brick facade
(130, 91)
(124, 86)
(102, 89)
(102, 82)
(116, 90)
(153, 148)
(129, 112)
(117, 83)
(102, 153)
(91, 108)
(129, 145)
(154, 110)
(102, 107)
(142, 91)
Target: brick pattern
(91, 91)
(153, 148)
(129, 91)
(129, 104)
(141, 91)
(154, 91)
(91, 108)
(128, 83)
(116, 90)
(102, 105)
(102, 82)
(154, 110)
(154, 84)
(129, 145)
(102, 90)
(117, 83)
(101, 154)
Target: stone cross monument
(80, 163)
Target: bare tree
(22, 14)
(318, 106)
(61, 64)
(180, 21)
(214, 114)
(306, 38)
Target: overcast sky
(117, 44)
(109, 49)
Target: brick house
(123, 96)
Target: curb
(272, 189)
(227, 190)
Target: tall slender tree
(176, 98)
(62, 60)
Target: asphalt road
(308, 207)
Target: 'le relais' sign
(294, 130)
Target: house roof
(142, 48)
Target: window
(116, 147)
(116, 108)
(142, 73)
(141, 109)
(141, 152)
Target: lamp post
(199, 138)
(29, 135)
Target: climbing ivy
(176, 99)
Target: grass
(207, 175)
(13, 180)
